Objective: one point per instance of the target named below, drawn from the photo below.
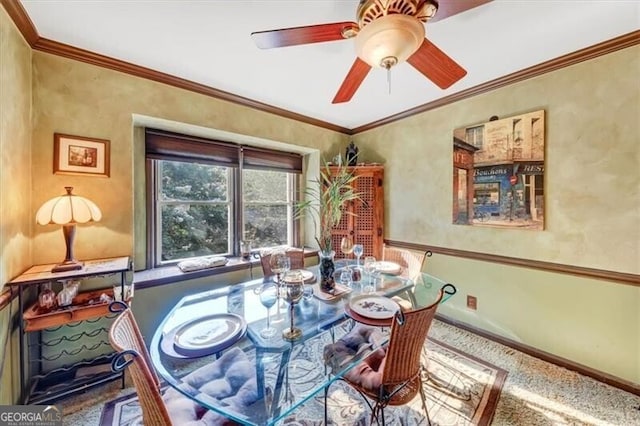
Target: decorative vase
(327, 268)
(351, 154)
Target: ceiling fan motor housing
(371, 10)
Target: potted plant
(325, 202)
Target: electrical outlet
(472, 302)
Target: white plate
(209, 333)
(373, 306)
(385, 267)
(306, 276)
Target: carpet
(461, 390)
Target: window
(486, 194)
(193, 210)
(474, 136)
(205, 196)
(268, 207)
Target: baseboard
(609, 379)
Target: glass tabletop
(287, 373)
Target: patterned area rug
(461, 390)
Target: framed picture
(78, 155)
(498, 172)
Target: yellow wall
(592, 211)
(80, 99)
(15, 151)
(16, 217)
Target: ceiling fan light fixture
(391, 36)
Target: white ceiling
(209, 42)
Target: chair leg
(424, 405)
(375, 414)
(326, 411)
(423, 396)
(374, 408)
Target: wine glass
(346, 245)
(268, 297)
(358, 249)
(280, 264)
(346, 277)
(293, 293)
(285, 264)
(369, 269)
(277, 263)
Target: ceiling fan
(387, 33)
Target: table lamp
(67, 210)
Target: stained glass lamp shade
(68, 210)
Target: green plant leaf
(327, 200)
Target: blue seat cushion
(230, 380)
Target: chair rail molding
(601, 274)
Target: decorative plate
(374, 306)
(390, 268)
(307, 276)
(209, 334)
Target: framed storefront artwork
(498, 172)
(79, 155)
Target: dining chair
(410, 261)
(393, 375)
(172, 408)
(296, 256)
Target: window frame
(158, 204)
(478, 136)
(292, 200)
(235, 199)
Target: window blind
(257, 158)
(163, 145)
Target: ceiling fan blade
(352, 81)
(447, 8)
(434, 64)
(303, 35)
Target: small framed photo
(78, 155)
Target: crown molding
(19, 16)
(25, 26)
(21, 19)
(71, 52)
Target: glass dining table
(287, 373)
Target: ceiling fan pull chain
(387, 63)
